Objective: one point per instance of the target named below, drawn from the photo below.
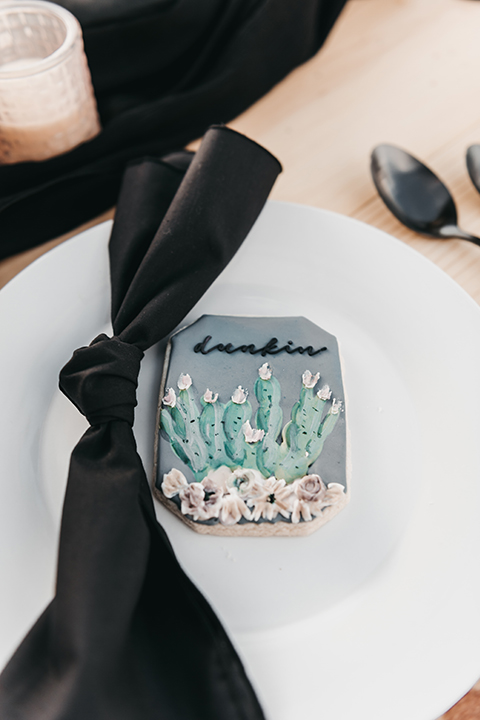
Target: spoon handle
(453, 231)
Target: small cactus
(211, 426)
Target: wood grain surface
(400, 71)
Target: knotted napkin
(128, 636)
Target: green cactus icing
(269, 418)
(182, 424)
(221, 434)
(211, 426)
(304, 436)
(238, 411)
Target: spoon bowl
(415, 195)
(473, 165)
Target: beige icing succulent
(233, 509)
(213, 493)
(173, 482)
(312, 497)
(245, 482)
(273, 498)
(192, 497)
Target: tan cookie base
(253, 529)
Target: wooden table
(399, 71)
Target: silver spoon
(415, 195)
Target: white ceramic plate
(375, 616)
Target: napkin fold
(163, 71)
(128, 636)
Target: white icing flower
(184, 381)
(213, 494)
(252, 435)
(310, 488)
(173, 482)
(274, 497)
(239, 396)
(193, 500)
(324, 393)
(265, 372)
(336, 407)
(335, 493)
(170, 398)
(233, 509)
(209, 397)
(309, 380)
(309, 493)
(245, 482)
(327, 501)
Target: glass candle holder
(47, 105)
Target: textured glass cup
(47, 105)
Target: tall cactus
(237, 412)
(211, 426)
(269, 418)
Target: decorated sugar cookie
(252, 435)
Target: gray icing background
(222, 373)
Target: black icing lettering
(312, 352)
(270, 348)
(202, 347)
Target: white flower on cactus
(324, 393)
(274, 497)
(309, 493)
(239, 396)
(309, 380)
(184, 381)
(173, 482)
(252, 435)
(336, 407)
(265, 372)
(192, 498)
(209, 397)
(233, 509)
(245, 482)
(170, 398)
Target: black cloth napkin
(128, 636)
(163, 71)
